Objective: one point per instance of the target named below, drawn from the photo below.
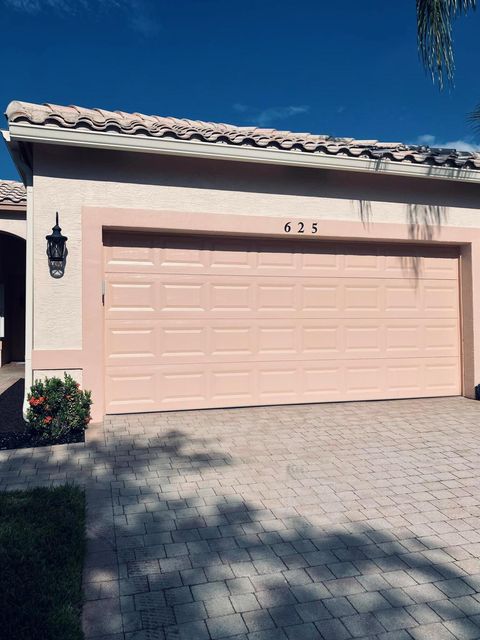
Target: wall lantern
(56, 251)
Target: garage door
(216, 322)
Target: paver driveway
(328, 521)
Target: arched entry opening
(12, 298)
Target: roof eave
(22, 132)
(15, 208)
(20, 155)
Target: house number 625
(299, 227)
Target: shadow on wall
(425, 221)
(424, 224)
(364, 208)
(190, 558)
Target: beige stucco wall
(65, 180)
(13, 221)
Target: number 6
(287, 228)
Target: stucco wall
(13, 222)
(66, 180)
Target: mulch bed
(24, 439)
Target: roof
(137, 124)
(12, 192)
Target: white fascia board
(24, 132)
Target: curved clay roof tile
(12, 192)
(221, 133)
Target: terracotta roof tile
(73, 117)
(12, 192)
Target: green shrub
(57, 408)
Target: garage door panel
(440, 376)
(232, 341)
(322, 381)
(320, 298)
(212, 322)
(440, 337)
(440, 298)
(277, 382)
(131, 389)
(363, 338)
(132, 295)
(229, 297)
(186, 296)
(404, 378)
(171, 387)
(161, 253)
(321, 339)
(130, 258)
(414, 267)
(234, 386)
(129, 342)
(236, 296)
(189, 385)
(276, 298)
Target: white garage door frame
(96, 220)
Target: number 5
(314, 227)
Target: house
(211, 265)
(13, 227)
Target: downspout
(22, 157)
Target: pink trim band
(57, 359)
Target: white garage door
(196, 322)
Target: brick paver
(326, 521)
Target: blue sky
(347, 68)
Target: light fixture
(56, 251)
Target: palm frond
(434, 32)
(474, 119)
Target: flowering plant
(57, 408)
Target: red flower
(34, 402)
(47, 420)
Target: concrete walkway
(329, 521)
